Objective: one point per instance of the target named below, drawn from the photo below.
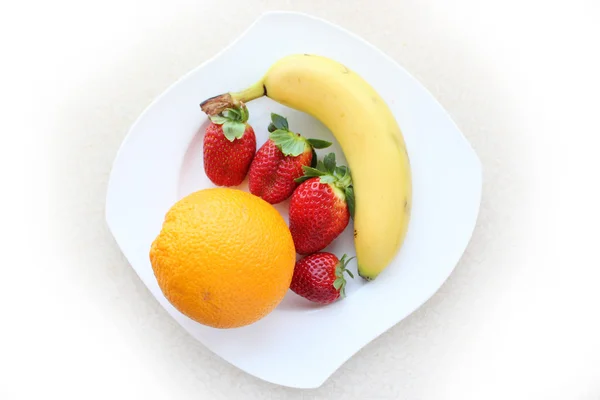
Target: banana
(370, 138)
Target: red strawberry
(321, 206)
(278, 163)
(229, 146)
(320, 277)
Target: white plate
(161, 160)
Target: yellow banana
(370, 138)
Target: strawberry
(278, 163)
(320, 277)
(321, 206)
(229, 146)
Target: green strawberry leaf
(320, 166)
(302, 179)
(327, 179)
(350, 200)
(309, 172)
(279, 122)
(318, 143)
(345, 260)
(341, 171)
(329, 162)
(338, 283)
(288, 142)
(312, 172)
(233, 130)
(315, 160)
(244, 112)
(218, 119)
(293, 148)
(232, 114)
(237, 114)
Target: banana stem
(216, 105)
(253, 92)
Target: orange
(224, 257)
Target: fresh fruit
(229, 146)
(224, 257)
(278, 163)
(321, 206)
(369, 136)
(320, 277)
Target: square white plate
(160, 161)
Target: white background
(518, 319)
